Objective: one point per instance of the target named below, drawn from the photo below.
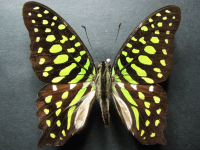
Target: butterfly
(60, 59)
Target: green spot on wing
(136, 113)
(86, 66)
(78, 96)
(56, 48)
(128, 97)
(61, 59)
(120, 64)
(70, 112)
(67, 70)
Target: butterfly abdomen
(103, 82)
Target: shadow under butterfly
(60, 59)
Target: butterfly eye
(109, 66)
(98, 66)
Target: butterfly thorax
(103, 89)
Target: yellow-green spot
(48, 99)
(78, 59)
(136, 113)
(76, 79)
(55, 18)
(150, 20)
(61, 27)
(46, 12)
(64, 39)
(142, 132)
(173, 17)
(158, 14)
(152, 25)
(40, 50)
(52, 135)
(144, 28)
(167, 11)
(55, 48)
(160, 75)
(42, 60)
(78, 96)
(37, 39)
(150, 49)
(166, 41)
(82, 53)
(72, 38)
(83, 71)
(36, 8)
(159, 24)
(118, 79)
(70, 112)
(29, 14)
(156, 99)
(124, 53)
(45, 74)
(141, 95)
(61, 138)
(45, 22)
(170, 24)
(157, 69)
(48, 122)
(147, 123)
(65, 95)
(152, 135)
(135, 51)
(144, 60)
(139, 71)
(50, 38)
(58, 123)
(94, 71)
(133, 38)
(158, 111)
(87, 64)
(154, 39)
(46, 111)
(61, 59)
(63, 132)
(68, 69)
(163, 62)
(58, 104)
(113, 71)
(168, 32)
(164, 18)
(33, 21)
(53, 24)
(47, 30)
(57, 79)
(71, 50)
(58, 112)
(147, 112)
(164, 51)
(128, 45)
(119, 64)
(39, 15)
(126, 76)
(147, 104)
(128, 97)
(144, 138)
(128, 59)
(77, 44)
(35, 29)
(142, 40)
(157, 122)
(48, 68)
(157, 32)
(148, 80)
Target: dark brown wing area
(146, 56)
(58, 55)
(143, 110)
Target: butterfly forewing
(146, 56)
(57, 53)
(143, 109)
(63, 110)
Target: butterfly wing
(146, 56)
(144, 60)
(57, 53)
(63, 110)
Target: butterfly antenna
(115, 40)
(89, 42)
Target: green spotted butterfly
(60, 58)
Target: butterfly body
(60, 59)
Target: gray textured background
(19, 85)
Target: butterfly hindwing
(143, 109)
(146, 56)
(63, 110)
(58, 55)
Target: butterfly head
(104, 64)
